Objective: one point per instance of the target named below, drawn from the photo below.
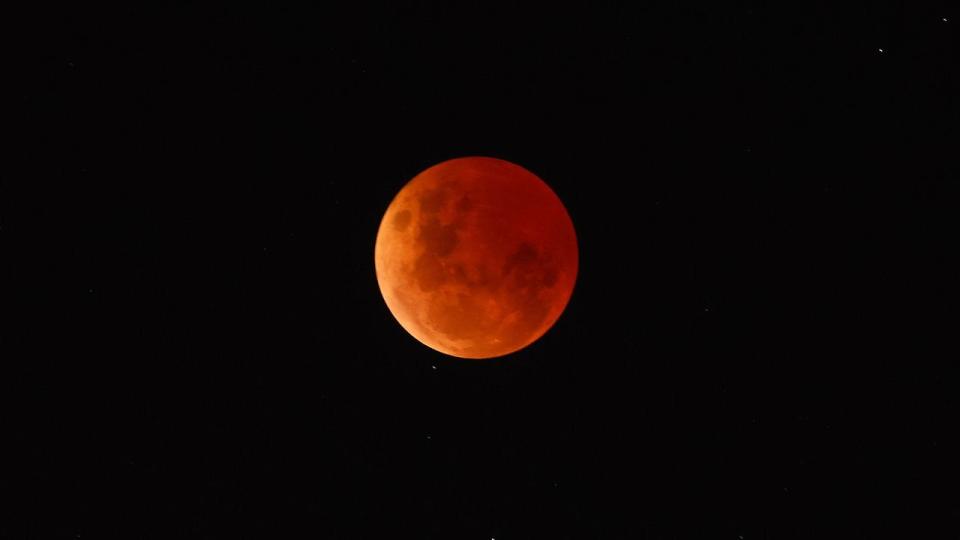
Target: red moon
(476, 257)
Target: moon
(476, 257)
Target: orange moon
(476, 257)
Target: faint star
(881, 50)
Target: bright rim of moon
(476, 257)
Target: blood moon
(476, 257)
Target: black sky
(761, 343)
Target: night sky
(761, 343)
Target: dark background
(761, 343)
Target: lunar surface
(476, 257)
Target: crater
(432, 200)
(438, 240)
(402, 220)
(465, 204)
(530, 269)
